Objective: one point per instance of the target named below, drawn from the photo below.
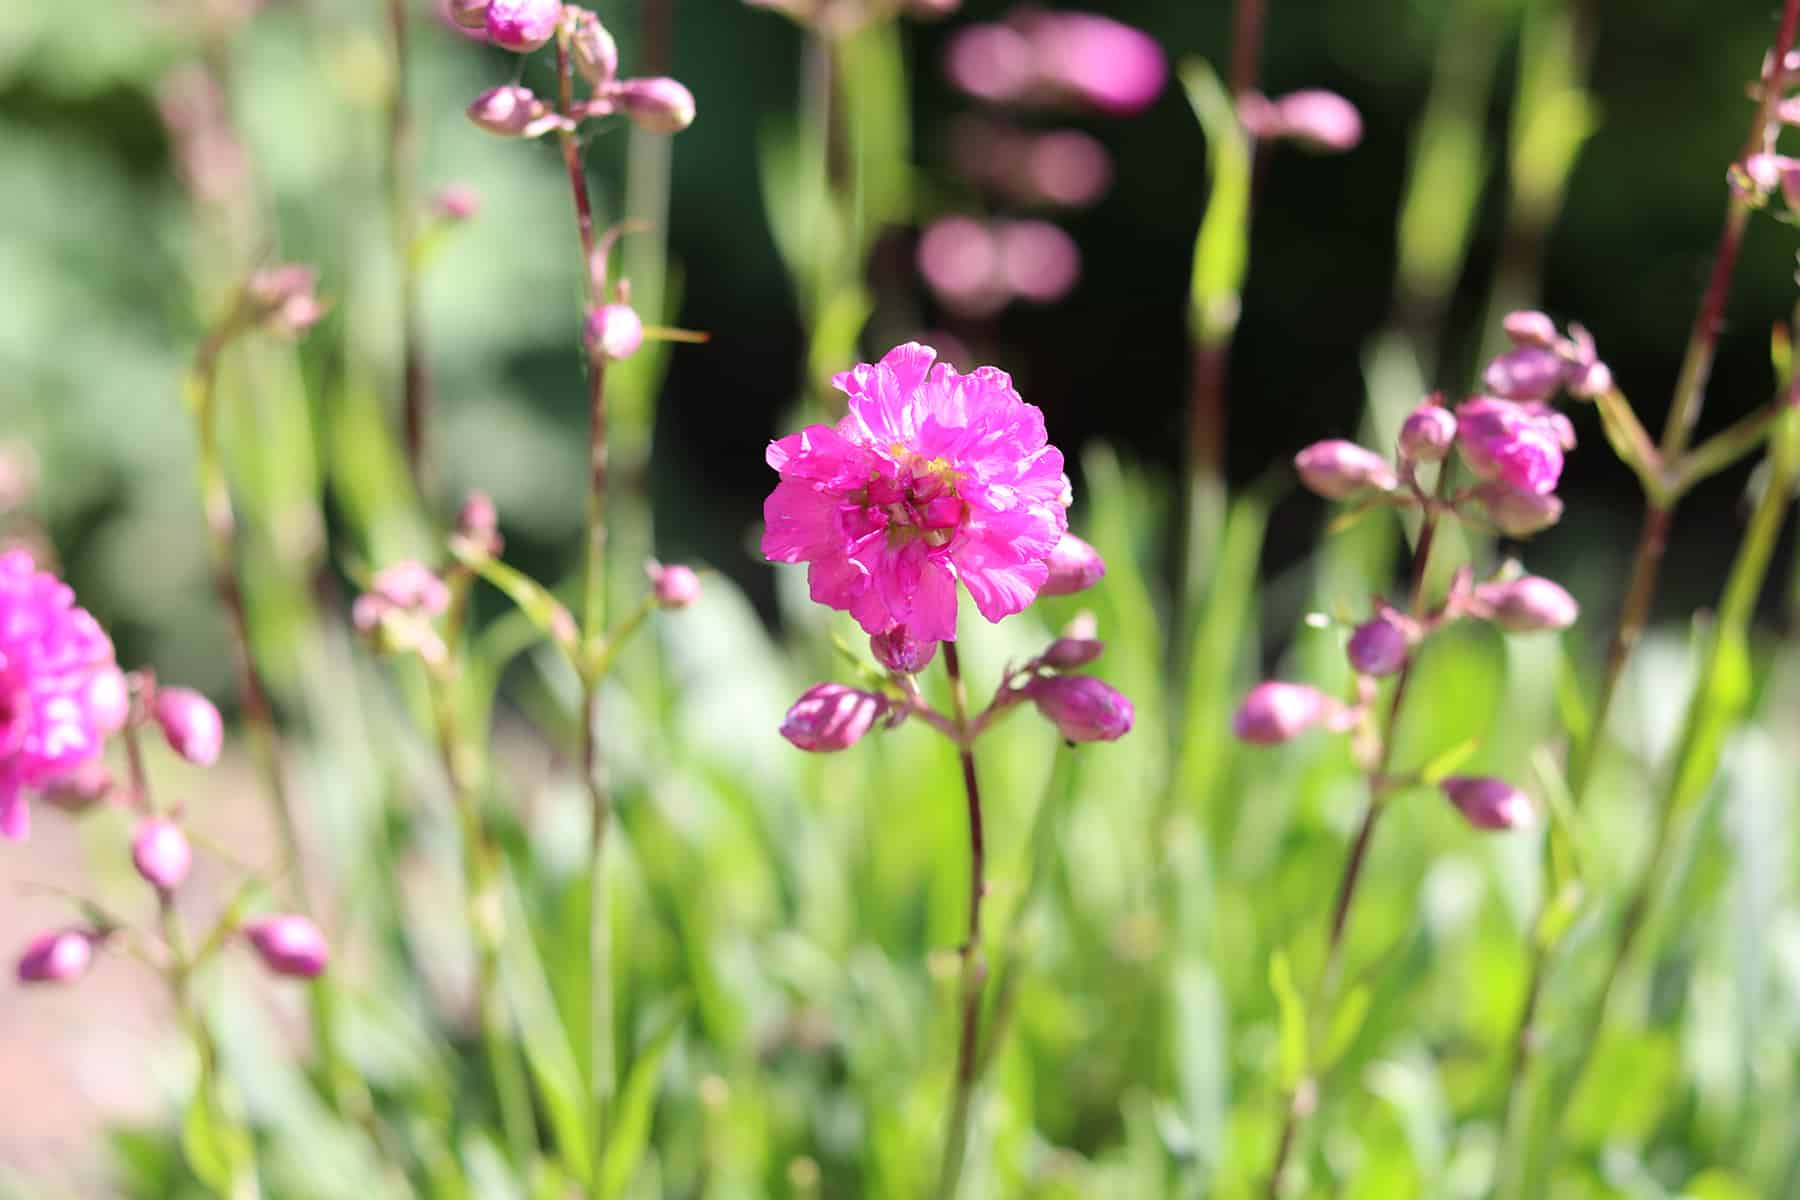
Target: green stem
(401, 165)
(974, 966)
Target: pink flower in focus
(933, 478)
(1518, 444)
(58, 686)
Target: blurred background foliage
(784, 926)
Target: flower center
(921, 502)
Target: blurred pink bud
(470, 14)
(613, 332)
(1527, 605)
(655, 105)
(478, 522)
(61, 956)
(1427, 433)
(1336, 469)
(1083, 625)
(1588, 376)
(596, 53)
(1067, 653)
(1276, 712)
(161, 853)
(283, 299)
(1489, 803)
(1074, 566)
(1526, 373)
(191, 724)
(513, 111)
(832, 716)
(990, 62)
(960, 260)
(1519, 444)
(1529, 328)
(1097, 60)
(456, 202)
(522, 25)
(1069, 168)
(1317, 119)
(1082, 708)
(411, 585)
(80, 789)
(1038, 260)
(1377, 647)
(1517, 513)
(898, 650)
(674, 586)
(289, 944)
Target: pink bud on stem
(1489, 803)
(59, 956)
(898, 650)
(832, 716)
(161, 853)
(1082, 708)
(673, 586)
(191, 724)
(289, 944)
(1337, 470)
(1074, 566)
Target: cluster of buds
(283, 299)
(399, 612)
(835, 716)
(161, 852)
(1275, 712)
(656, 104)
(1312, 118)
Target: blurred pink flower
(932, 478)
(960, 260)
(1038, 260)
(1318, 119)
(59, 685)
(1043, 57)
(1519, 444)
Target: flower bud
(1074, 566)
(613, 332)
(283, 299)
(191, 724)
(1489, 803)
(655, 105)
(1528, 374)
(898, 650)
(1276, 712)
(289, 944)
(161, 853)
(522, 25)
(831, 716)
(78, 790)
(1427, 433)
(673, 586)
(1067, 653)
(478, 522)
(1527, 605)
(1528, 328)
(456, 202)
(1336, 469)
(1521, 445)
(1082, 708)
(60, 956)
(1319, 120)
(1519, 514)
(513, 111)
(470, 14)
(1377, 647)
(1084, 625)
(596, 53)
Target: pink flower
(1518, 444)
(933, 478)
(59, 686)
(1082, 708)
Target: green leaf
(637, 1104)
(1222, 248)
(548, 1052)
(1346, 1023)
(1292, 1010)
(545, 611)
(213, 1149)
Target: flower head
(1519, 444)
(832, 716)
(59, 686)
(1082, 708)
(933, 478)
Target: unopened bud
(456, 202)
(1337, 470)
(161, 853)
(522, 25)
(1377, 647)
(1067, 653)
(898, 650)
(60, 956)
(283, 298)
(1074, 566)
(1084, 625)
(191, 724)
(1529, 328)
(1427, 433)
(596, 53)
(289, 944)
(1319, 120)
(655, 105)
(1489, 803)
(674, 586)
(1527, 374)
(1276, 712)
(832, 716)
(1519, 513)
(513, 111)
(478, 522)
(613, 332)
(1528, 604)
(1082, 708)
